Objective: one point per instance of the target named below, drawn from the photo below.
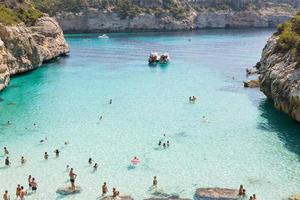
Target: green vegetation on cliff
(24, 12)
(289, 37)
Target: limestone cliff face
(94, 20)
(280, 79)
(25, 48)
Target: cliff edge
(26, 43)
(279, 68)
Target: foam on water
(243, 141)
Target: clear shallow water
(245, 141)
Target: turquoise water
(243, 141)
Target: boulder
(251, 83)
(294, 197)
(216, 194)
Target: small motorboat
(104, 36)
(153, 58)
(164, 58)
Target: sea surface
(229, 136)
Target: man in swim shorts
(72, 176)
(33, 185)
(6, 196)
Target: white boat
(104, 36)
(153, 58)
(164, 58)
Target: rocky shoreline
(25, 48)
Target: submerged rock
(216, 194)
(294, 197)
(68, 190)
(118, 198)
(251, 83)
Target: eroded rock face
(216, 194)
(93, 20)
(25, 48)
(251, 83)
(280, 79)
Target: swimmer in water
(35, 125)
(8, 123)
(100, 118)
(66, 142)
(90, 161)
(254, 197)
(159, 143)
(7, 162)
(23, 160)
(168, 143)
(154, 182)
(57, 152)
(164, 145)
(5, 151)
(110, 101)
(46, 156)
(44, 140)
(104, 189)
(95, 166)
(6, 196)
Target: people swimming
(100, 118)
(95, 166)
(6, 152)
(104, 189)
(192, 99)
(110, 101)
(66, 142)
(23, 160)
(7, 162)
(46, 156)
(6, 195)
(90, 161)
(56, 151)
(72, 176)
(164, 145)
(154, 182)
(33, 185)
(43, 140)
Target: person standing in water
(7, 162)
(33, 185)
(6, 196)
(23, 193)
(23, 160)
(110, 101)
(90, 161)
(5, 151)
(18, 191)
(154, 182)
(57, 152)
(46, 156)
(104, 189)
(29, 181)
(95, 166)
(72, 176)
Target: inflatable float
(68, 190)
(135, 161)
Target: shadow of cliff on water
(288, 130)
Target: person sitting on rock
(104, 189)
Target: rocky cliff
(279, 68)
(117, 15)
(23, 48)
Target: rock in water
(68, 190)
(216, 194)
(118, 198)
(251, 83)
